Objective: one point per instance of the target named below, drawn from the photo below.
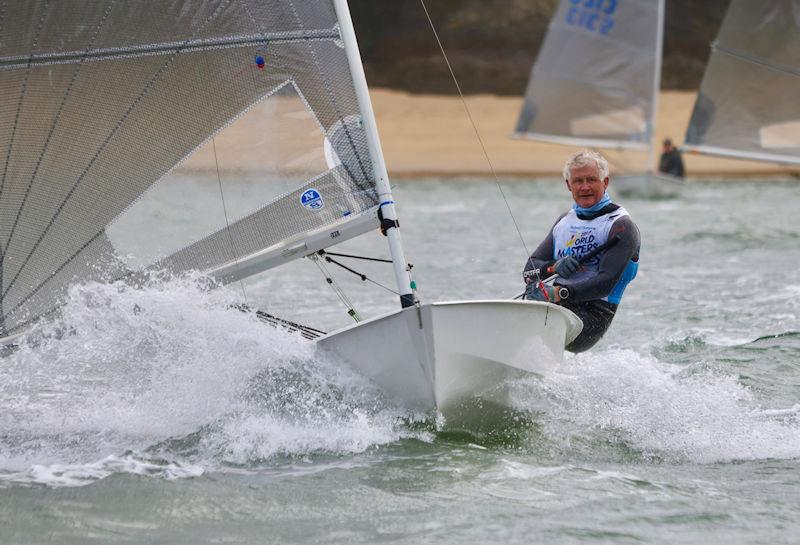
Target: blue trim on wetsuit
(627, 275)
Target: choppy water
(163, 416)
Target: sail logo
(312, 199)
(592, 15)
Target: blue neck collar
(606, 200)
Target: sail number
(592, 15)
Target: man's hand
(538, 291)
(531, 275)
(566, 266)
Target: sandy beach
(432, 136)
(428, 135)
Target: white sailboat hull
(456, 356)
(650, 185)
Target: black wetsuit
(672, 163)
(586, 297)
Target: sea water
(164, 415)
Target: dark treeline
(493, 43)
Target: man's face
(586, 186)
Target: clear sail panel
(746, 106)
(224, 127)
(592, 82)
(269, 151)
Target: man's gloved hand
(530, 276)
(534, 292)
(566, 266)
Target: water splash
(172, 371)
(661, 411)
(58, 475)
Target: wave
(173, 372)
(654, 411)
(171, 381)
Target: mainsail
(747, 104)
(596, 79)
(101, 104)
(238, 135)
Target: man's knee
(582, 342)
(596, 318)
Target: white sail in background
(747, 107)
(103, 103)
(596, 79)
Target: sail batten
(119, 53)
(765, 157)
(575, 141)
(123, 125)
(746, 107)
(752, 59)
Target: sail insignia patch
(312, 199)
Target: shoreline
(732, 176)
(432, 136)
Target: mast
(387, 209)
(656, 87)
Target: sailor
(593, 248)
(671, 161)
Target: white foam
(261, 437)
(125, 369)
(700, 414)
(57, 475)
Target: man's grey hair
(586, 158)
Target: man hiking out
(590, 282)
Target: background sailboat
(115, 116)
(595, 84)
(747, 104)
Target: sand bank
(427, 135)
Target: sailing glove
(566, 266)
(537, 291)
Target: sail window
(615, 122)
(780, 135)
(268, 151)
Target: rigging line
(225, 212)
(475, 128)
(362, 276)
(378, 259)
(336, 289)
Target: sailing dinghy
(747, 104)
(116, 116)
(595, 84)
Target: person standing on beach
(593, 248)
(671, 161)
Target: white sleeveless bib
(576, 237)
